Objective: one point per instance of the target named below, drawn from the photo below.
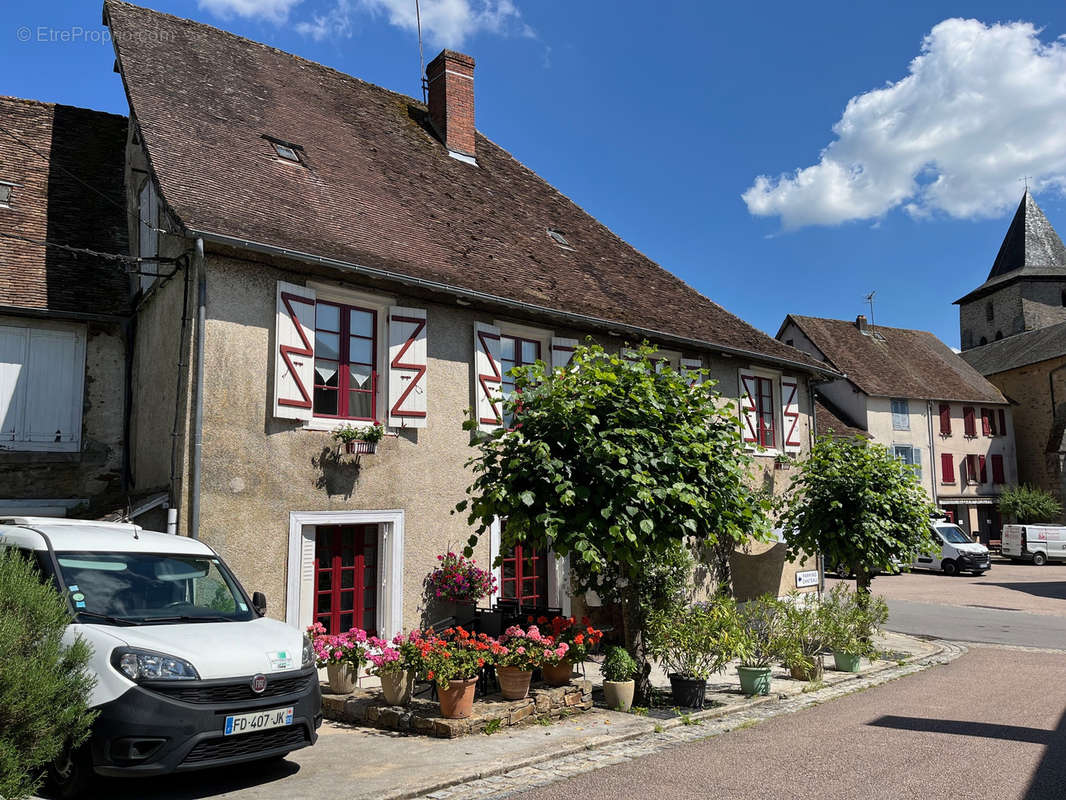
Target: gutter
(198, 413)
(580, 320)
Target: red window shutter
(1002, 423)
(969, 424)
(984, 471)
(997, 469)
(986, 422)
(945, 419)
(947, 468)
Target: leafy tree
(1028, 504)
(615, 462)
(855, 503)
(44, 686)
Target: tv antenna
(421, 58)
(870, 300)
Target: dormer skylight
(5, 193)
(559, 238)
(287, 151)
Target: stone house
(908, 391)
(1013, 331)
(359, 257)
(64, 312)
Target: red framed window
(515, 352)
(969, 422)
(345, 362)
(947, 468)
(346, 558)
(764, 411)
(524, 576)
(1002, 422)
(997, 469)
(987, 425)
(945, 419)
(971, 469)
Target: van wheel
(71, 774)
(949, 567)
(1039, 559)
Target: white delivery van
(958, 553)
(189, 672)
(1036, 543)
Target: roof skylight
(560, 238)
(5, 193)
(286, 152)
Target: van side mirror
(259, 603)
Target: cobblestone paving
(702, 725)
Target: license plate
(258, 721)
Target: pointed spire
(1031, 244)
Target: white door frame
(558, 572)
(300, 586)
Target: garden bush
(44, 685)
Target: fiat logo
(259, 684)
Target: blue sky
(659, 119)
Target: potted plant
(458, 579)
(578, 640)
(556, 666)
(341, 654)
(850, 626)
(452, 661)
(391, 662)
(521, 652)
(693, 642)
(761, 643)
(804, 636)
(359, 439)
(618, 669)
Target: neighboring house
(908, 391)
(1013, 331)
(63, 314)
(358, 257)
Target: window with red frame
(524, 576)
(972, 472)
(515, 352)
(345, 362)
(969, 422)
(997, 469)
(947, 468)
(346, 577)
(945, 419)
(987, 424)
(764, 410)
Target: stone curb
(942, 648)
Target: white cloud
(336, 22)
(982, 106)
(271, 10)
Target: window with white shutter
(294, 364)
(692, 366)
(790, 415)
(758, 415)
(42, 374)
(407, 367)
(487, 376)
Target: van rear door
(1013, 543)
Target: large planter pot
(457, 701)
(846, 662)
(514, 682)
(397, 687)
(557, 674)
(812, 673)
(688, 692)
(754, 680)
(342, 678)
(619, 694)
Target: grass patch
(493, 726)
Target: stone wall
(1007, 316)
(1043, 303)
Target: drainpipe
(198, 412)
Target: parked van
(1036, 543)
(189, 672)
(958, 553)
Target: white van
(1036, 543)
(189, 673)
(958, 553)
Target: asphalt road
(989, 725)
(972, 624)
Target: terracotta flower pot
(557, 674)
(397, 687)
(457, 701)
(342, 677)
(619, 694)
(514, 682)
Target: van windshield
(952, 534)
(151, 588)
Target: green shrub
(697, 640)
(618, 665)
(762, 620)
(805, 632)
(1029, 505)
(850, 623)
(44, 685)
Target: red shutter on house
(1002, 423)
(969, 424)
(945, 419)
(984, 471)
(997, 469)
(947, 468)
(986, 422)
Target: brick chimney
(860, 322)
(451, 100)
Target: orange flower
(579, 639)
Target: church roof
(1031, 249)
(1019, 350)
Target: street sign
(808, 577)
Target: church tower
(1026, 288)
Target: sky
(780, 157)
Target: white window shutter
(408, 361)
(13, 347)
(487, 377)
(55, 376)
(749, 416)
(916, 460)
(692, 365)
(790, 414)
(562, 350)
(294, 352)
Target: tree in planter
(856, 504)
(44, 686)
(615, 462)
(1028, 504)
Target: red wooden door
(524, 576)
(346, 577)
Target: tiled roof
(1018, 350)
(897, 362)
(831, 420)
(377, 189)
(1031, 249)
(50, 204)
